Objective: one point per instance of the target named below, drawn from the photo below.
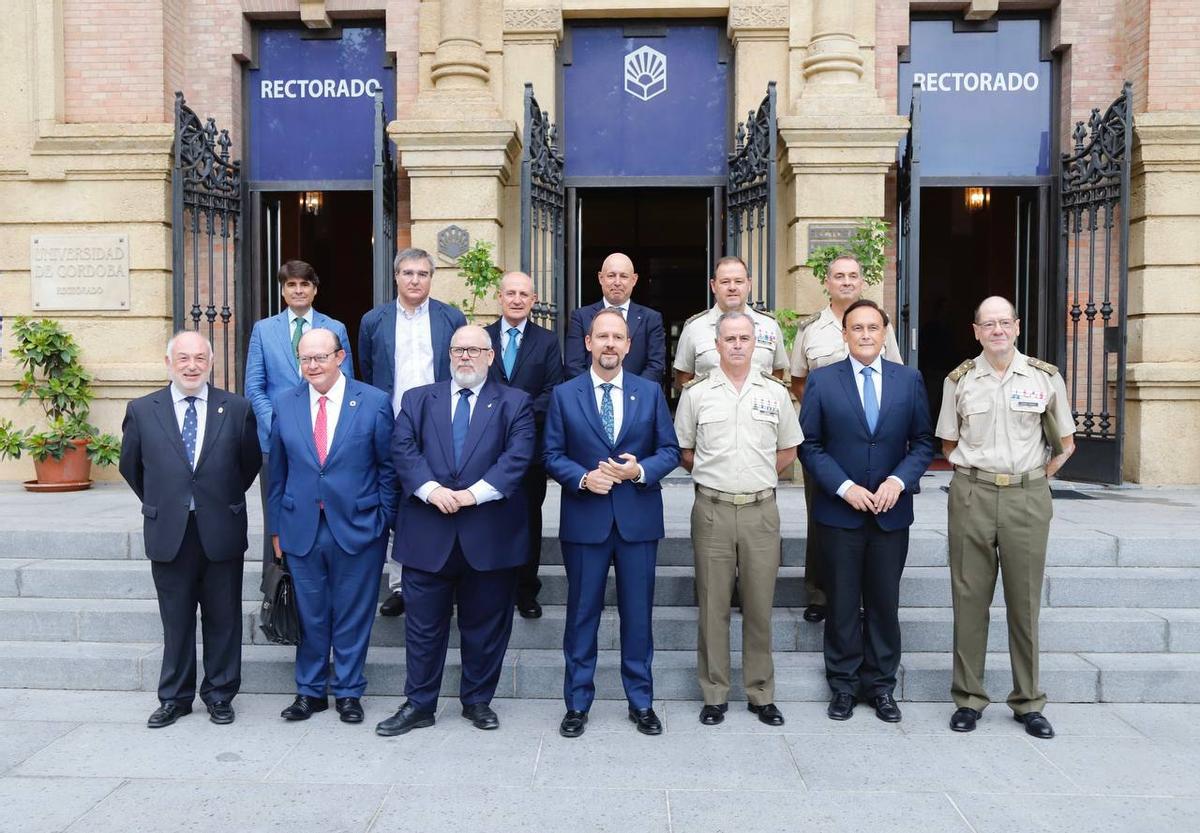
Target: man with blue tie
(272, 364)
(403, 345)
(647, 355)
(609, 443)
(332, 500)
(460, 451)
(867, 441)
(530, 360)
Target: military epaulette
(960, 371)
(1045, 367)
(807, 320)
(765, 312)
(773, 378)
(696, 381)
(694, 317)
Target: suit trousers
(485, 601)
(528, 583)
(814, 559)
(336, 592)
(862, 655)
(739, 542)
(587, 576)
(189, 580)
(997, 528)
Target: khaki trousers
(997, 527)
(739, 542)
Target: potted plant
(482, 276)
(63, 453)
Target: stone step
(538, 674)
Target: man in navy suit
(272, 365)
(867, 441)
(404, 345)
(460, 450)
(332, 499)
(529, 360)
(647, 355)
(609, 442)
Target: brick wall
(1173, 54)
(113, 61)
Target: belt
(743, 499)
(1002, 479)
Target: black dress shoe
(407, 718)
(647, 721)
(304, 707)
(349, 709)
(393, 605)
(841, 707)
(1036, 725)
(886, 708)
(712, 715)
(168, 713)
(529, 608)
(768, 713)
(481, 716)
(964, 719)
(814, 613)
(220, 712)
(573, 724)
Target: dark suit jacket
(155, 465)
(377, 343)
(357, 484)
(537, 370)
(498, 449)
(838, 446)
(575, 441)
(647, 342)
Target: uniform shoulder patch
(773, 378)
(960, 371)
(694, 317)
(696, 381)
(1045, 367)
(807, 320)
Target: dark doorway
(335, 239)
(977, 242)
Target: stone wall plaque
(829, 234)
(79, 271)
(453, 242)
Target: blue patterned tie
(607, 416)
(462, 421)
(870, 403)
(510, 351)
(190, 426)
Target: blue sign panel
(985, 100)
(646, 106)
(312, 105)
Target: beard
(469, 378)
(610, 361)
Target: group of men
(454, 429)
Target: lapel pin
(221, 409)
(490, 404)
(632, 397)
(353, 404)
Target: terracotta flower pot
(70, 474)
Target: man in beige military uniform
(696, 353)
(1006, 426)
(819, 343)
(737, 431)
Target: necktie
(510, 351)
(621, 310)
(321, 431)
(296, 333)
(462, 421)
(190, 424)
(870, 403)
(607, 416)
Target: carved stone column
(459, 62)
(833, 53)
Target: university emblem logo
(645, 73)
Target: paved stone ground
(82, 761)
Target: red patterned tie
(320, 430)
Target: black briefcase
(278, 617)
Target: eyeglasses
(1003, 324)
(473, 352)
(318, 359)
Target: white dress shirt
(414, 351)
(481, 489)
(333, 407)
(856, 368)
(179, 398)
(624, 307)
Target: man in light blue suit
(332, 501)
(609, 441)
(272, 366)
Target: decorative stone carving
(453, 242)
(773, 16)
(539, 19)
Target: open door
(543, 216)
(908, 243)
(383, 208)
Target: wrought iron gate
(1093, 258)
(206, 252)
(750, 199)
(383, 208)
(543, 215)
(908, 241)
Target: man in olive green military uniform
(696, 353)
(1006, 426)
(819, 343)
(737, 431)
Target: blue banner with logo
(311, 104)
(985, 99)
(646, 106)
